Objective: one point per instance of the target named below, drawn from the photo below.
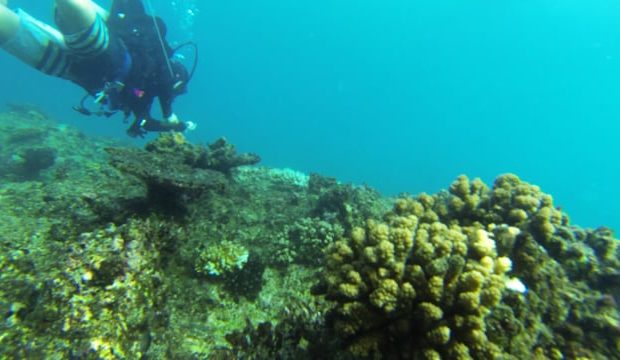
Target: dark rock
(247, 282)
(28, 163)
(165, 171)
(220, 155)
(27, 135)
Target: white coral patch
(514, 284)
(483, 243)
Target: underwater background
(400, 95)
(484, 133)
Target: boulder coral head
(473, 273)
(416, 287)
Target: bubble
(186, 11)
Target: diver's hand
(190, 125)
(136, 129)
(175, 123)
(172, 120)
(136, 132)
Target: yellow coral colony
(416, 279)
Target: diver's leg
(9, 23)
(33, 42)
(76, 15)
(101, 11)
(83, 26)
(73, 16)
(128, 7)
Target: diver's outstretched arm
(9, 23)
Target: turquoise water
(400, 95)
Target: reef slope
(187, 251)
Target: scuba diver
(120, 57)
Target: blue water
(401, 95)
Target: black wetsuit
(140, 61)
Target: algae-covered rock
(171, 171)
(97, 299)
(76, 188)
(165, 171)
(33, 160)
(220, 155)
(75, 287)
(25, 151)
(348, 204)
(27, 163)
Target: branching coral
(221, 259)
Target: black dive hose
(195, 64)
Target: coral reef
(93, 265)
(100, 299)
(304, 241)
